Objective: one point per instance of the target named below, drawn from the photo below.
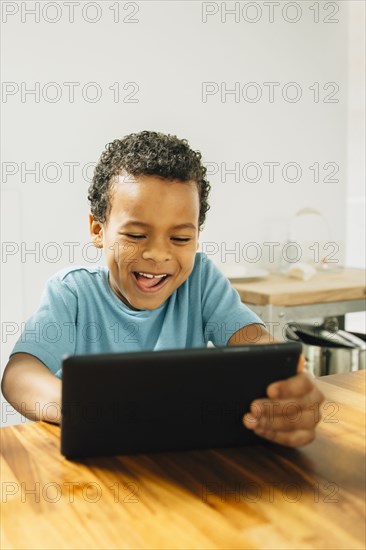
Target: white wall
(356, 228)
(168, 53)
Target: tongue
(147, 283)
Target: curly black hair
(147, 153)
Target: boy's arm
(269, 417)
(251, 334)
(32, 389)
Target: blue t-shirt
(80, 314)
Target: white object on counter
(240, 271)
(301, 270)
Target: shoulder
(78, 271)
(76, 276)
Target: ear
(96, 231)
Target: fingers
(296, 386)
(279, 430)
(287, 416)
(290, 415)
(301, 364)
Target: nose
(157, 251)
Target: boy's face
(152, 229)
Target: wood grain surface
(280, 290)
(255, 497)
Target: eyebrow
(142, 224)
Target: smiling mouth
(148, 282)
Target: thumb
(301, 364)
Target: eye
(134, 236)
(181, 239)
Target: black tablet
(166, 400)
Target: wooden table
(278, 298)
(255, 497)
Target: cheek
(124, 254)
(187, 261)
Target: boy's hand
(291, 413)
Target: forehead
(150, 197)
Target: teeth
(150, 276)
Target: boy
(148, 203)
